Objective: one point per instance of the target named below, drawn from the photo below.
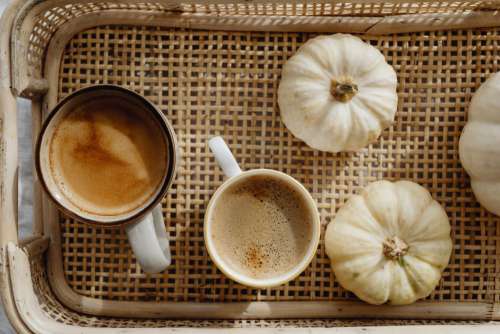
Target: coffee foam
(107, 156)
(261, 227)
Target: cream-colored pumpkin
(480, 144)
(389, 244)
(337, 93)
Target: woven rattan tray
(214, 70)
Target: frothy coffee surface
(107, 156)
(261, 227)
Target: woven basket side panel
(55, 310)
(48, 21)
(224, 83)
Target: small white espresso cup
(144, 225)
(230, 167)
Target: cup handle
(149, 241)
(224, 157)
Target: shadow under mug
(144, 225)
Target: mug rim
(167, 179)
(275, 280)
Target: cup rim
(273, 281)
(166, 181)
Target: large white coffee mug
(230, 167)
(144, 225)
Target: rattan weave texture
(224, 83)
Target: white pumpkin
(479, 145)
(337, 93)
(389, 244)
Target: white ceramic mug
(230, 167)
(144, 225)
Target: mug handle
(224, 157)
(149, 241)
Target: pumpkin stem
(395, 248)
(343, 90)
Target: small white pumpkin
(389, 244)
(337, 93)
(479, 145)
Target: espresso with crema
(108, 156)
(261, 227)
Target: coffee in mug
(106, 155)
(261, 226)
